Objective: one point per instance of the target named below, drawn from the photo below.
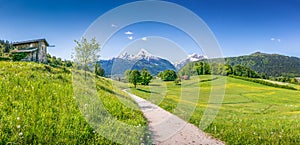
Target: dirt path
(168, 129)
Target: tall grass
(37, 106)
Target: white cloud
(279, 40)
(128, 33)
(130, 37)
(114, 26)
(276, 39)
(144, 38)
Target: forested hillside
(270, 64)
(266, 65)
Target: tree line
(205, 68)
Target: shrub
(5, 58)
(169, 75)
(18, 56)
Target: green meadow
(38, 106)
(251, 113)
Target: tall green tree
(206, 68)
(169, 75)
(135, 77)
(239, 70)
(86, 53)
(228, 70)
(160, 74)
(2, 47)
(127, 75)
(145, 77)
(99, 70)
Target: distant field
(251, 113)
(37, 106)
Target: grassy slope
(251, 113)
(37, 105)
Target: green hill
(37, 106)
(271, 64)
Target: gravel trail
(168, 129)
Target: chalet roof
(25, 51)
(31, 41)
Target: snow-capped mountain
(125, 55)
(143, 59)
(142, 54)
(191, 58)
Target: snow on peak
(142, 54)
(191, 58)
(125, 55)
(195, 57)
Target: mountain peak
(190, 58)
(125, 55)
(142, 54)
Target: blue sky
(241, 26)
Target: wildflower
(20, 134)
(18, 118)
(272, 132)
(19, 126)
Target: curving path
(168, 129)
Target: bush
(169, 75)
(18, 56)
(5, 58)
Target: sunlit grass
(37, 106)
(251, 113)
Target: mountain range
(270, 64)
(143, 59)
